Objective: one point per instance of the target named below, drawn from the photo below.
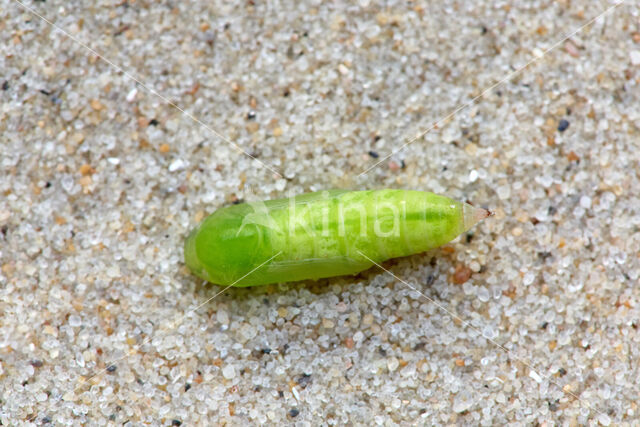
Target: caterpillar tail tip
(473, 215)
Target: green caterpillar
(322, 234)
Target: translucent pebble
(247, 332)
(545, 181)
(585, 202)
(462, 402)
(528, 278)
(74, 320)
(303, 64)
(372, 31)
(604, 419)
(229, 372)
(504, 192)
(409, 371)
(222, 317)
(392, 364)
(483, 294)
(533, 374)
(494, 310)
(176, 165)
(281, 184)
(620, 258)
(473, 176)
(131, 96)
(564, 339)
(489, 332)
(67, 183)
(113, 271)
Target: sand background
(101, 180)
